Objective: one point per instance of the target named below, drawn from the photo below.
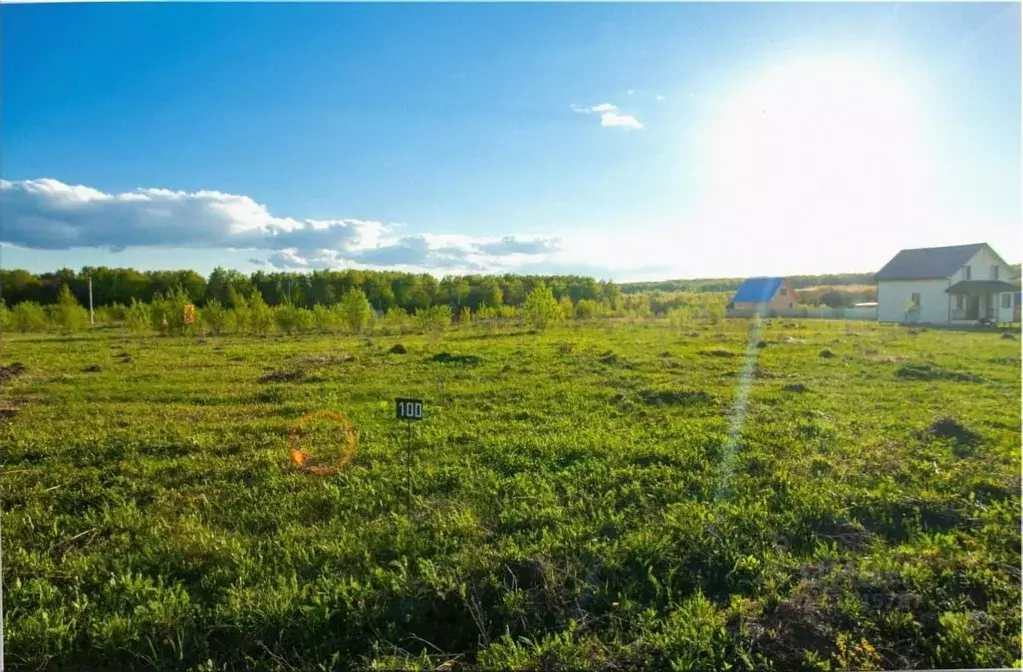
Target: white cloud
(610, 116)
(46, 214)
(623, 120)
(659, 98)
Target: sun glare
(818, 141)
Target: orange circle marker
(299, 457)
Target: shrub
(214, 316)
(465, 315)
(396, 320)
(434, 318)
(28, 316)
(586, 309)
(324, 319)
(137, 317)
(542, 310)
(5, 317)
(566, 308)
(260, 317)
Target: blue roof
(757, 290)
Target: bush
(542, 310)
(434, 318)
(28, 316)
(260, 315)
(5, 317)
(396, 320)
(325, 320)
(465, 315)
(586, 309)
(137, 317)
(566, 308)
(214, 317)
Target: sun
(809, 141)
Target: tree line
(383, 289)
(732, 284)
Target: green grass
(585, 496)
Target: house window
(1006, 300)
(966, 273)
(959, 301)
(994, 272)
(916, 299)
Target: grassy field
(844, 496)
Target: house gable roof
(929, 262)
(757, 290)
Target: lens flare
(301, 458)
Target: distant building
(764, 294)
(960, 284)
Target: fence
(822, 313)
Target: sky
(623, 141)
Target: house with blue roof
(764, 294)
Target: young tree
(586, 309)
(70, 316)
(261, 317)
(214, 316)
(566, 308)
(28, 316)
(465, 316)
(136, 317)
(356, 309)
(541, 308)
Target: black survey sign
(408, 409)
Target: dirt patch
(796, 387)
(92, 368)
(719, 353)
(949, 428)
(676, 397)
(398, 349)
(329, 358)
(1008, 335)
(934, 372)
(282, 376)
(448, 358)
(11, 371)
(826, 354)
(612, 359)
(761, 344)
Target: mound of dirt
(92, 368)
(282, 376)
(796, 387)
(1008, 335)
(398, 349)
(761, 344)
(676, 397)
(11, 371)
(934, 372)
(610, 358)
(826, 354)
(719, 353)
(448, 358)
(949, 428)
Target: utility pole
(91, 320)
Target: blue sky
(619, 140)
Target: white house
(962, 284)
